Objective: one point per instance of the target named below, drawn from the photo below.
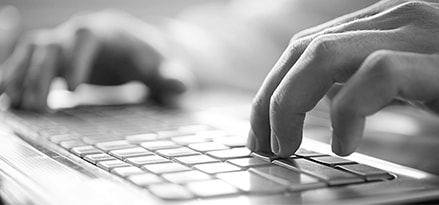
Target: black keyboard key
(295, 181)
(332, 160)
(301, 152)
(367, 172)
(331, 175)
(248, 162)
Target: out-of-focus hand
(104, 48)
(384, 52)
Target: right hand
(381, 53)
(104, 48)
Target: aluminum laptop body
(64, 158)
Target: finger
(166, 78)
(328, 59)
(258, 139)
(357, 15)
(174, 78)
(384, 76)
(14, 70)
(78, 60)
(39, 77)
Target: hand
(104, 48)
(383, 52)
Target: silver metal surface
(52, 175)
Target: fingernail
(274, 144)
(251, 140)
(337, 148)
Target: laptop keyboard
(175, 158)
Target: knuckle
(83, 31)
(41, 38)
(411, 9)
(413, 5)
(381, 64)
(300, 35)
(323, 46)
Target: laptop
(195, 154)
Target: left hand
(108, 47)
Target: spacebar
(330, 175)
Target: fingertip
(284, 147)
(274, 144)
(175, 86)
(251, 141)
(344, 145)
(338, 147)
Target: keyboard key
(67, 144)
(130, 152)
(265, 156)
(114, 145)
(145, 179)
(230, 154)
(330, 175)
(211, 188)
(367, 172)
(126, 171)
(332, 160)
(187, 176)
(196, 159)
(172, 133)
(110, 164)
(61, 137)
(190, 139)
(248, 162)
(139, 138)
(159, 144)
(165, 168)
(95, 158)
(214, 168)
(153, 159)
(177, 152)
(294, 180)
(194, 128)
(232, 141)
(301, 152)
(208, 146)
(211, 134)
(252, 183)
(170, 192)
(84, 150)
(98, 139)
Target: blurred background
(253, 33)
